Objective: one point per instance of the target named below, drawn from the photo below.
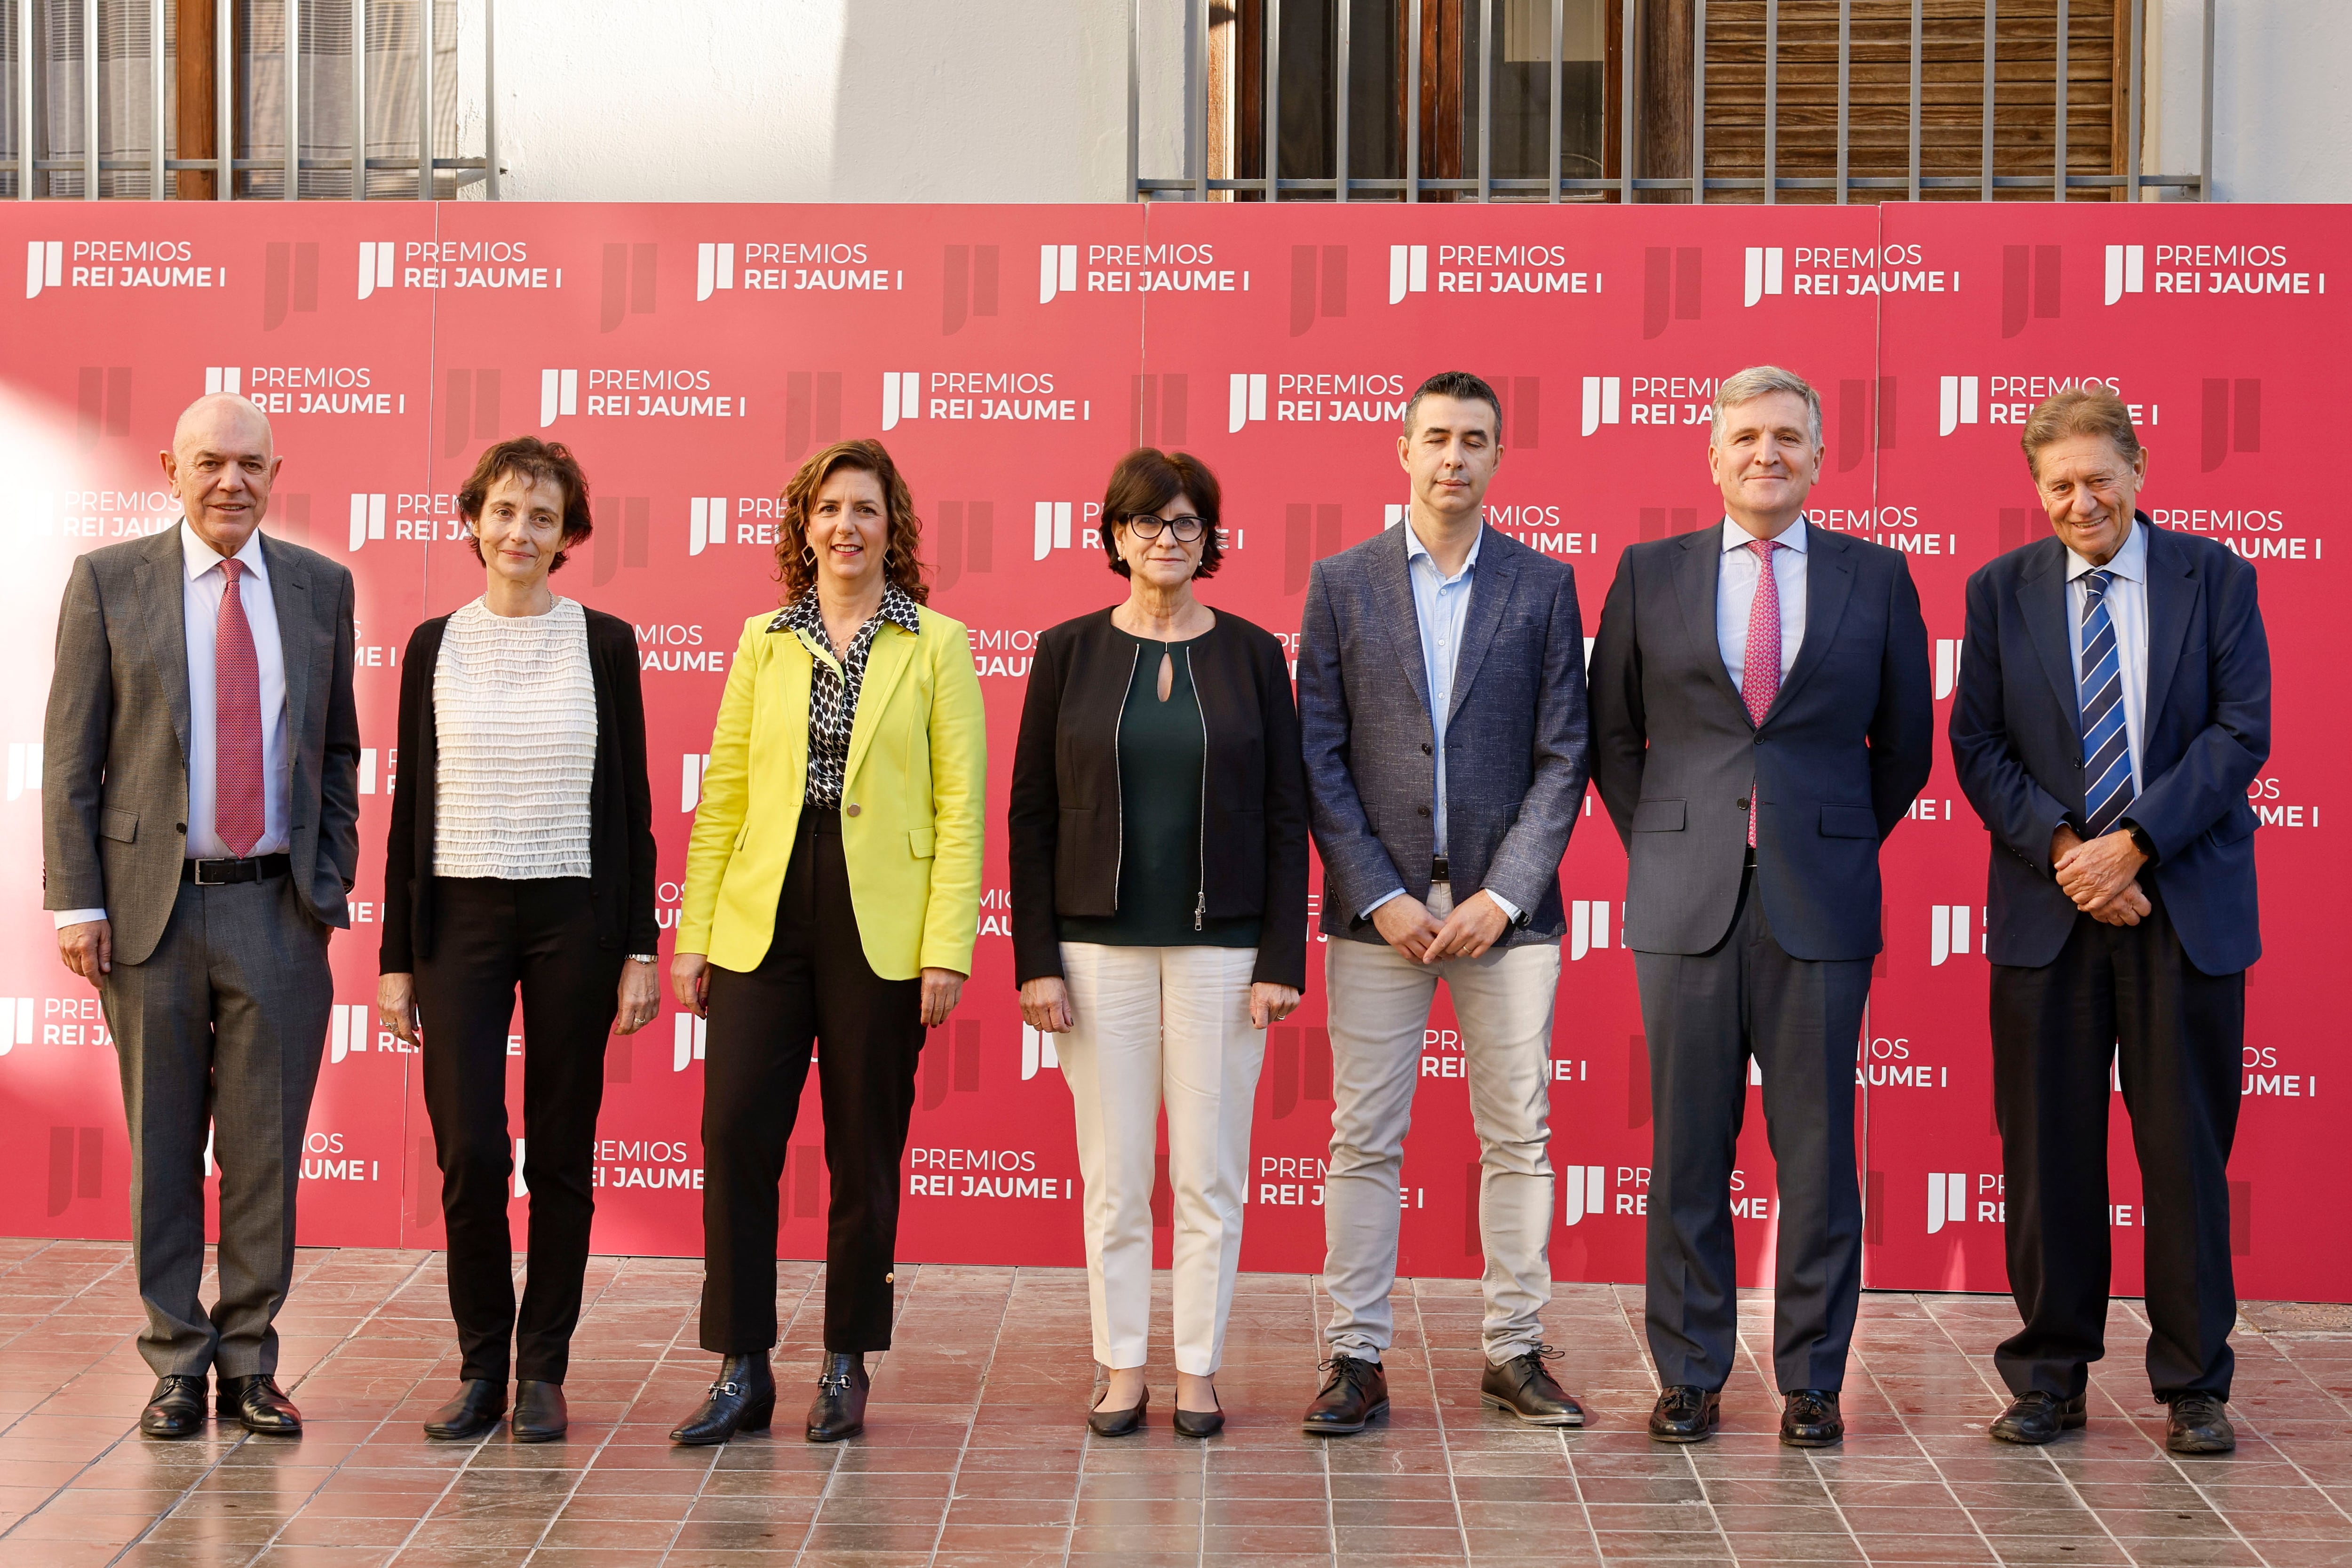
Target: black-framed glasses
(1188, 528)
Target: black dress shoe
(1355, 1390)
(176, 1408)
(261, 1404)
(1523, 1388)
(743, 1400)
(1810, 1418)
(1686, 1413)
(480, 1402)
(839, 1409)
(541, 1416)
(1119, 1423)
(2035, 1417)
(1199, 1423)
(2197, 1425)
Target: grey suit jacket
(1516, 752)
(114, 778)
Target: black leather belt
(1439, 871)
(221, 873)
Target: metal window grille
(1239, 118)
(303, 100)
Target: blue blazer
(2017, 741)
(1842, 753)
(1516, 756)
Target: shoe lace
(1353, 1370)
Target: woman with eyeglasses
(1159, 868)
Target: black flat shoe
(1355, 1391)
(540, 1415)
(743, 1400)
(1521, 1387)
(480, 1402)
(1199, 1423)
(261, 1404)
(1686, 1413)
(176, 1408)
(2196, 1425)
(2034, 1417)
(1810, 1419)
(1119, 1423)
(839, 1409)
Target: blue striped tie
(2106, 747)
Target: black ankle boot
(840, 1408)
(743, 1400)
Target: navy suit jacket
(1516, 752)
(2017, 741)
(1842, 753)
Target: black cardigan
(621, 825)
(1065, 811)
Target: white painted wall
(1027, 100)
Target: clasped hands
(2101, 875)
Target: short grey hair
(1762, 380)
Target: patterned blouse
(833, 690)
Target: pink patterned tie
(1759, 676)
(237, 811)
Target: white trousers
(1156, 1024)
(1379, 1002)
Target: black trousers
(815, 987)
(2125, 995)
(494, 936)
(1801, 1020)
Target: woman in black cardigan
(1159, 858)
(521, 855)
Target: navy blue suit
(2164, 999)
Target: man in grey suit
(1440, 697)
(200, 831)
(1761, 720)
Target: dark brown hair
(1461, 386)
(2092, 410)
(532, 461)
(1148, 478)
(796, 563)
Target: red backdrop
(692, 354)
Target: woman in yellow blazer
(831, 896)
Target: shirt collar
(1414, 547)
(2130, 563)
(805, 614)
(200, 558)
(1738, 538)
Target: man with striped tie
(1761, 720)
(200, 816)
(2113, 705)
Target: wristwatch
(644, 958)
(2140, 840)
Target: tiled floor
(977, 1451)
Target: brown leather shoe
(2197, 1425)
(1355, 1390)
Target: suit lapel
(289, 595)
(2173, 586)
(1697, 571)
(164, 614)
(2042, 594)
(1393, 595)
(1829, 580)
(885, 666)
(1490, 596)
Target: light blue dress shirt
(2127, 609)
(1735, 595)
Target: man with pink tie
(200, 817)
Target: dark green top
(1162, 749)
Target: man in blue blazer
(2113, 704)
(1761, 720)
(1440, 701)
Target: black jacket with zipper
(619, 800)
(1065, 814)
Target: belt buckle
(1440, 871)
(204, 882)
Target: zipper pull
(1200, 909)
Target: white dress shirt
(1735, 595)
(2127, 598)
(202, 584)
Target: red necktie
(239, 813)
(1759, 676)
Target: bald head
(221, 465)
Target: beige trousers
(1154, 1025)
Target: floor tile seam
(1933, 1462)
(1641, 1359)
(1444, 1441)
(2330, 1497)
(833, 1471)
(2042, 1453)
(44, 1320)
(1316, 1300)
(979, 1398)
(702, 1487)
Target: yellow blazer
(913, 801)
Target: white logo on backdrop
(902, 396)
(1601, 394)
(1057, 271)
(1947, 665)
(1588, 926)
(1408, 271)
(714, 267)
(1763, 272)
(367, 518)
(45, 261)
(706, 523)
(223, 378)
(1247, 400)
(1948, 931)
(559, 393)
(1958, 404)
(689, 1040)
(375, 266)
(1037, 1053)
(23, 767)
(1582, 1193)
(2124, 270)
(689, 790)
